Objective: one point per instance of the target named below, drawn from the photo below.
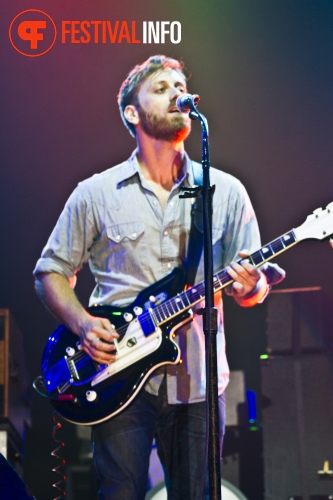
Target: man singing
(131, 226)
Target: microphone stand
(209, 313)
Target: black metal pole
(209, 316)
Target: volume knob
(91, 396)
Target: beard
(170, 129)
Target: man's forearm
(57, 295)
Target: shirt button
(168, 265)
(171, 203)
(165, 233)
(154, 202)
(118, 237)
(134, 235)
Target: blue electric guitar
(86, 393)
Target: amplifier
(15, 391)
(297, 395)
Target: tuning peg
(318, 211)
(330, 206)
(137, 310)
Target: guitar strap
(195, 242)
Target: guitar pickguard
(132, 347)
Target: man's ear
(131, 114)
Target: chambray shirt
(115, 222)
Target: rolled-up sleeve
(68, 246)
(242, 230)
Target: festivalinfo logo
(33, 32)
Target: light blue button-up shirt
(114, 221)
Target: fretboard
(192, 296)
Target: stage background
(264, 71)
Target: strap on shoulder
(195, 244)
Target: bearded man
(130, 225)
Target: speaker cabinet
(15, 391)
(297, 396)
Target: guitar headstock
(318, 225)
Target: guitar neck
(187, 299)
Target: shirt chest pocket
(125, 231)
(127, 244)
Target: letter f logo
(32, 33)
(28, 30)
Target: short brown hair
(128, 91)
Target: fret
(257, 257)
(186, 294)
(277, 245)
(171, 302)
(217, 279)
(196, 294)
(225, 278)
(157, 314)
(177, 301)
(267, 251)
(164, 310)
(216, 283)
(289, 239)
(181, 300)
(166, 306)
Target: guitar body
(95, 396)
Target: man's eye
(160, 90)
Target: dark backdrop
(264, 71)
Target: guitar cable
(58, 469)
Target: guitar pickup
(72, 369)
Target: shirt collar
(131, 167)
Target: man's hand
(245, 276)
(250, 284)
(97, 336)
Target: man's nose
(175, 92)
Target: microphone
(185, 102)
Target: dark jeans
(122, 447)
